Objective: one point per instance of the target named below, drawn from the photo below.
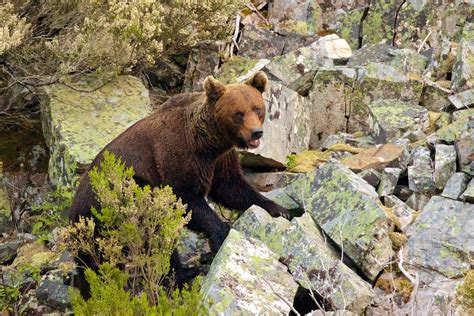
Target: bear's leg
(205, 220)
(230, 188)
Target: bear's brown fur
(189, 144)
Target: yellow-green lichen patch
(465, 292)
(234, 68)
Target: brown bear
(189, 144)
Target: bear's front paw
(218, 237)
(277, 211)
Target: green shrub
(138, 229)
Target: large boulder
(309, 257)
(78, 122)
(441, 239)
(246, 278)
(463, 70)
(348, 210)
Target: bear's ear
(258, 81)
(214, 89)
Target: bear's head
(239, 109)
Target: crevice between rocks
(361, 25)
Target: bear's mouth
(253, 143)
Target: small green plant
(49, 215)
(136, 228)
(465, 292)
(9, 295)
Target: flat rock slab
(452, 132)
(246, 279)
(390, 119)
(378, 158)
(445, 164)
(442, 239)
(389, 181)
(77, 125)
(348, 210)
(310, 259)
(456, 185)
(468, 194)
(420, 173)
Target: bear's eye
(239, 115)
(258, 111)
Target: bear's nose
(257, 133)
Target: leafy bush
(57, 38)
(138, 229)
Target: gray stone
(402, 192)
(456, 185)
(8, 250)
(77, 125)
(388, 181)
(465, 148)
(435, 97)
(403, 212)
(420, 173)
(417, 201)
(441, 239)
(407, 61)
(303, 16)
(287, 125)
(246, 278)
(371, 176)
(378, 158)
(348, 210)
(333, 47)
(463, 69)
(331, 109)
(445, 164)
(390, 119)
(191, 248)
(468, 194)
(309, 257)
(268, 181)
(349, 139)
(296, 69)
(452, 132)
(462, 100)
(203, 61)
(54, 294)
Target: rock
(389, 181)
(331, 109)
(54, 294)
(267, 181)
(77, 125)
(286, 126)
(406, 61)
(420, 174)
(6, 223)
(349, 139)
(371, 176)
(378, 158)
(297, 69)
(279, 196)
(441, 238)
(8, 250)
(435, 97)
(417, 201)
(402, 192)
(465, 149)
(258, 43)
(389, 119)
(348, 210)
(333, 47)
(456, 185)
(192, 248)
(348, 24)
(238, 69)
(445, 164)
(309, 257)
(303, 16)
(452, 132)
(403, 212)
(468, 194)
(463, 69)
(203, 61)
(462, 100)
(246, 278)
(34, 255)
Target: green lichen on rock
(77, 123)
(453, 131)
(234, 68)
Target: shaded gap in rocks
(303, 303)
(395, 22)
(348, 104)
(361, 25)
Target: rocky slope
(369, 141)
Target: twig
(282, 298)
(402, 269)
(254, 9)
(424, 41)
